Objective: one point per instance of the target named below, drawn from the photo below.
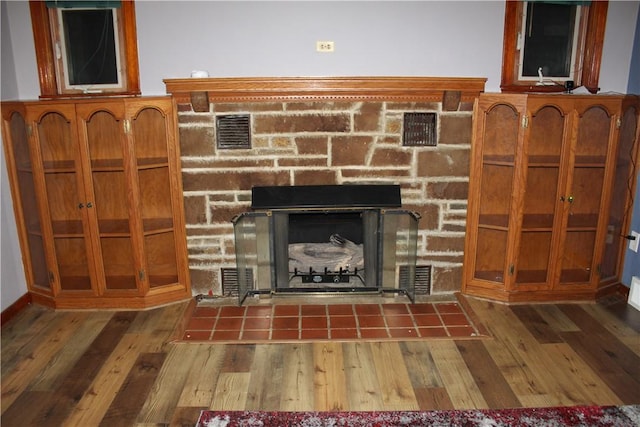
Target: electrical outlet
(324, 46)
(633, 244)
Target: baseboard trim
(15, 308)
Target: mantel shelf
(250, 89)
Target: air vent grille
(422, 278)
(230, 285)
(233, 131)
(419, 130)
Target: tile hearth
(317, 322)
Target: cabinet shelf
(537, 222)
(107, 165)
(586, 222)
(498, 160)
(108, 228)
(68, 228)
(152, 162)
(157, 225)
(59, 166)
(590, 161)
(494, 221)
(544, 161)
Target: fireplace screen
(356, 249)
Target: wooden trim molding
(14, 309)
(591, 53)
(43, 41)
(255, 89)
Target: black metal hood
(326, 196)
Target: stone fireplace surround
(324, 131)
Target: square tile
(313, 310)
(433, 332)
(314, 334)
(316, 322)
(285, 323)
(197, 335)
(206, 312)
(455, 319)
(371, 321)
(422, 309)
(427, 319)
(399, 321)
(286, 310)
(255, 335)
(377, 333)
(259, 311)
(403, 332)
(367, 309)
(231, 311)
(448, 308)
(461, 331)
(395, 309)
(228, 323)
(225, 335)
(257, 323)
(201, 323)
(340, 309)
(284, 334)
(344, 333)
(342, 322)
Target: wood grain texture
(129, 372)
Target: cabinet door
(548, 126)
(622, 191)
(586, 193)
(20, 169)
(493, 189)
(109, 205)
(57, 150)
(152, 135)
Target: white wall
(12, 280)
(270, 38)
(278, 39)
(618, 46)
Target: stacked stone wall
(305, 143)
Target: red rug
(583, 416)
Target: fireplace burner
(333, 238)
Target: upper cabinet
(550, 185)
(98, 201)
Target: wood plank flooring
(122, 369)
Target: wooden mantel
(253, 89)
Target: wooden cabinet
(98, 199)
(551, 182)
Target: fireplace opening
(334, 238)
(326, 248)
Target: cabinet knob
(568, 199)
(89, 204)
(80, 206)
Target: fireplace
(329, 238)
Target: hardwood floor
(121, 368)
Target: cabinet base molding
(532, 297)
(549, 296)
(119, 303)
